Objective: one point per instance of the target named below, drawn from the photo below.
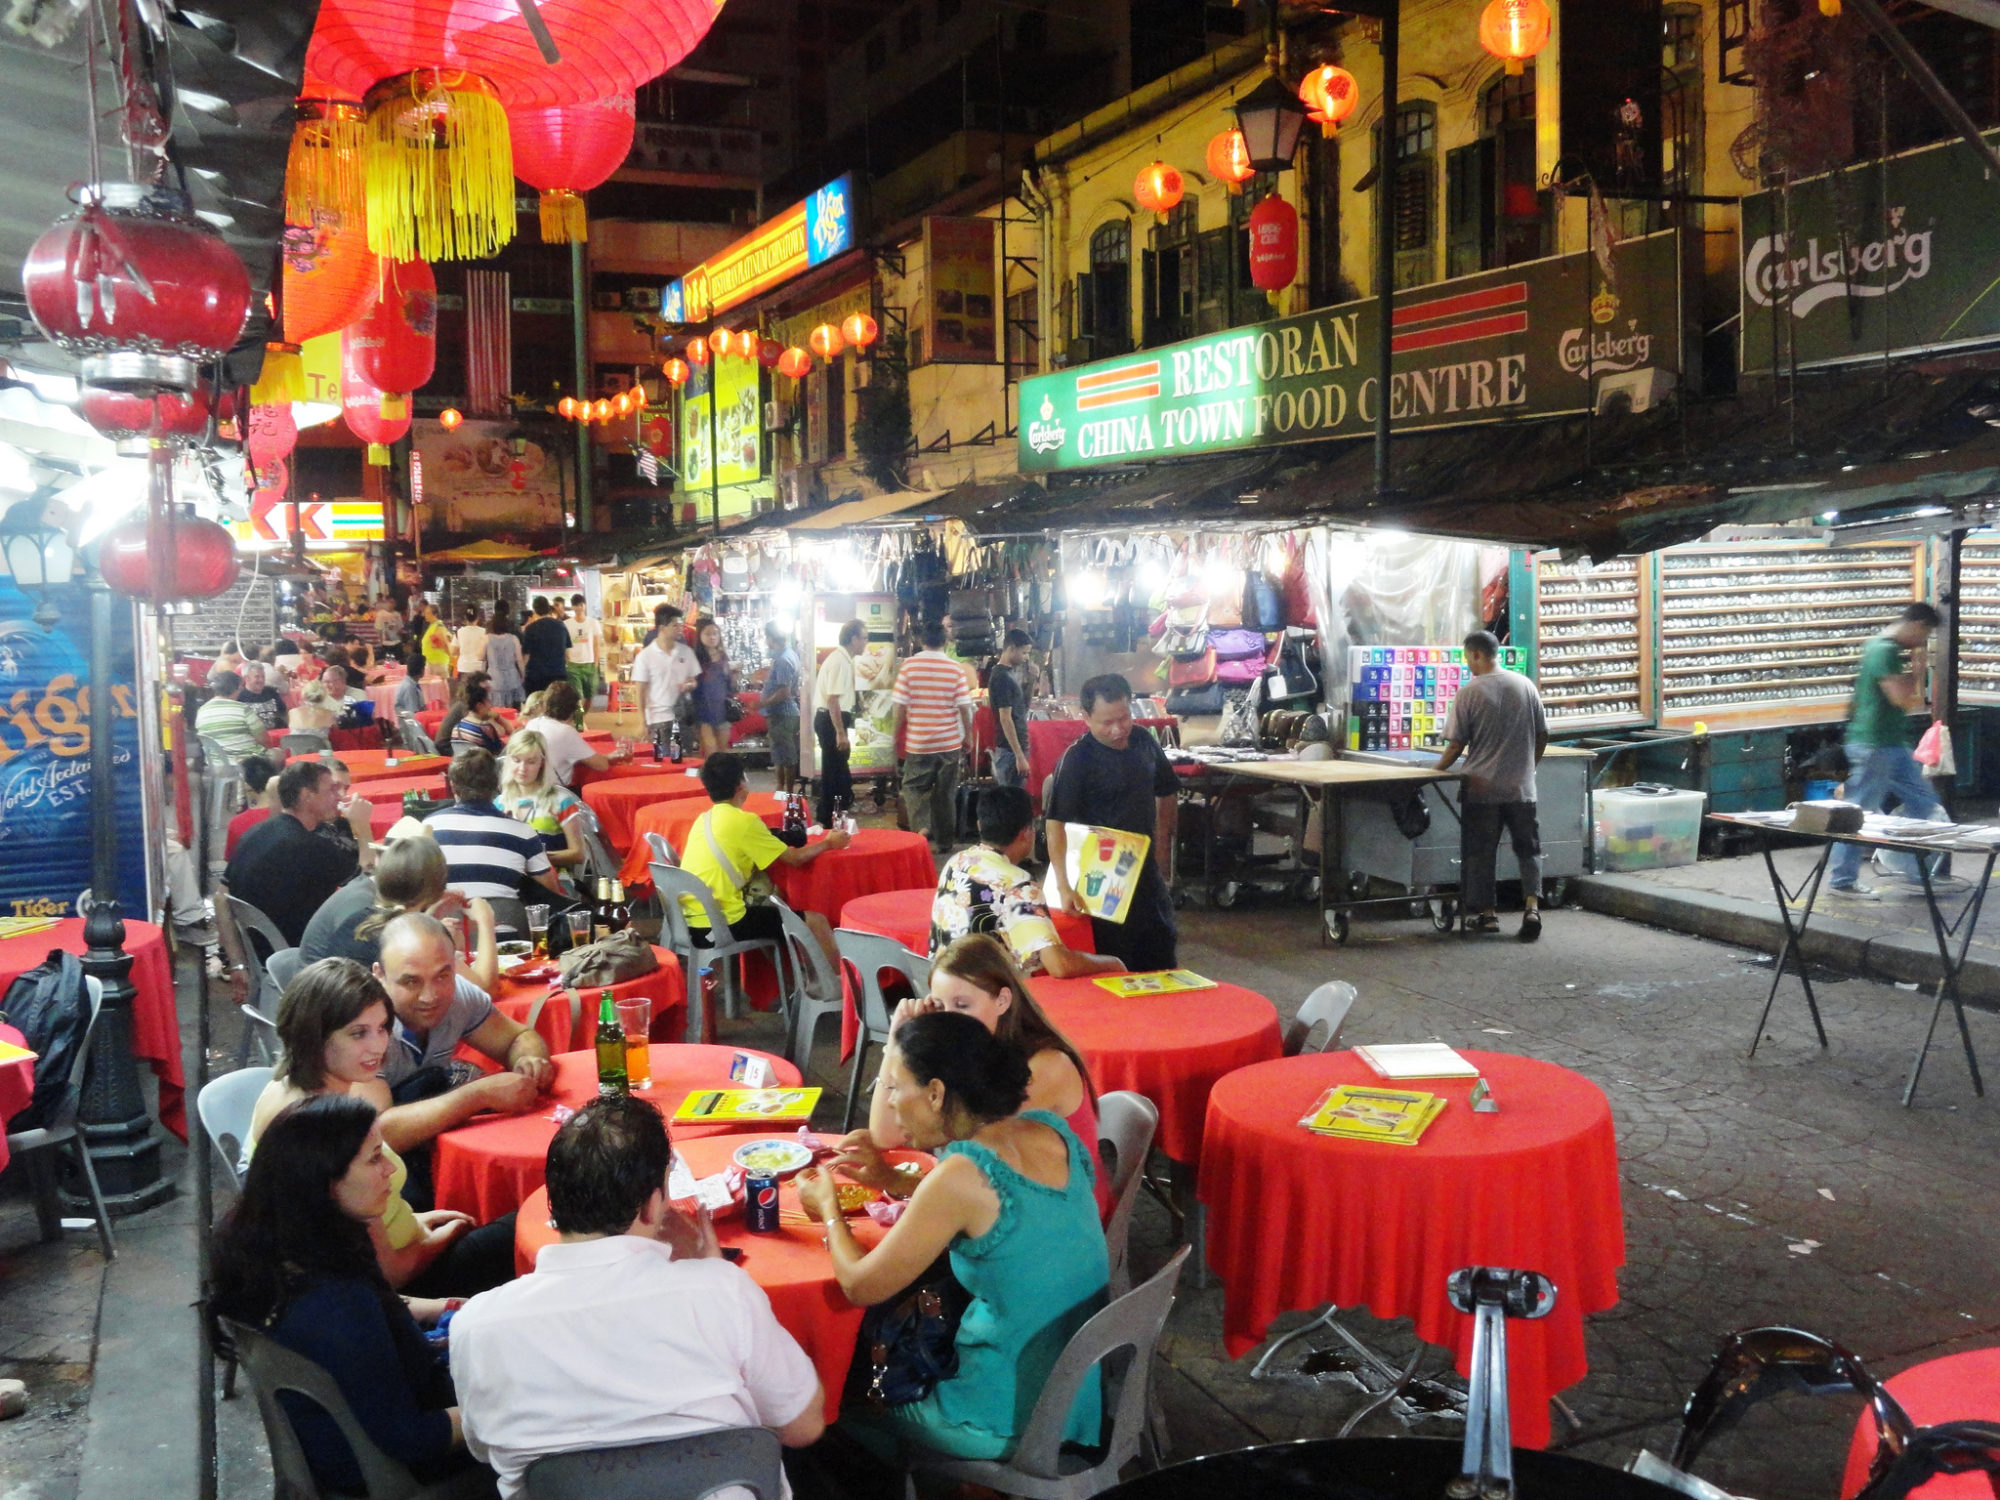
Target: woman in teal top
(1012, 1200)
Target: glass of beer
(635, 1015)
(538, 929)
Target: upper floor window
(1414, 163)
(1104, 293)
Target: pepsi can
(760, 1202)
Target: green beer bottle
(611, 1077)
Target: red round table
(674, 819)
(431, 720)
(792, 1266)
(643, 763)
(617, 800)
(1956, 1388)
(372, 765)
(17, 1086)
(156, 1031)
(906, 917)
(391, 788)
(666, 987)
(488, 1167)
(878, 859)
(1296, 1220)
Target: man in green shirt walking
(1879, 763)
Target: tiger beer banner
(1527, 341)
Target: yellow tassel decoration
(323, 169)
(440, 167)
(378, 455)
(1829, 8)
(563, 218)
(283, 378)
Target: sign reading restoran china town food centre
(1527, 341)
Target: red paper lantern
(329, 277)
(138, 286)
(567, 149)
(375, 416)
(826, 341)
(449, 418)
(1158, 187)
(747, 343)
(676, 371)
(769, 352)
(1514, 30)
(859, 329)
(182, 419)
(1229, 159)
(795, 362)
(204, 558)
(600, 410)
(566, 407)
(395, 341)
(1329, 95)
(1274, 244)
(697, 351)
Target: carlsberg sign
(1893, 258)
(1529, 340)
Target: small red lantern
(566, 407)
(826, 341)
(769, 352)
(697, 352)
(1514, 30)
(721, 343)
(395, 340)
(795, 362)
(1158, 187)
(1229, 160)
(180, 419)
(1274, 245)
(621, 404)
(204, 558)
(138, 286)
(566, 149)
(747, 343)
(860, 330)
(1329, 95)
(449, 418)
(676, 371)
(600, 409)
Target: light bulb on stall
(1088, 590)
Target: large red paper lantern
(795, 362)
(826, 341)
(394, 342)
(1229, 159)
(138, 286)
(180, 419)
(1274, 244)
(567, 149)
(1329, 95)
(375, 416)
(1158, 187)
(203, 556)
(329, 277)
(1514, 30)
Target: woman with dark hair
(293, 1259)
(712, 690)
(504, 664)
(1010, 1199)
(479, 727)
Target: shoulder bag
(910, 1342)
(757, 889)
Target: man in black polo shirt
(545, 642)
(1117, 776)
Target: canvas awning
(873, 508)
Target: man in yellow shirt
(728, 847)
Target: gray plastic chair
(871, 954)
(284, 967)
(598, 859)
(413, 735)
(1122, 1338)
(306, 742)
(261, 1009)
(675, 932)
(273, 1368)
(225, 1105)
(815, 991)
(1126, 1123)
(62, 1130)
(226, 795)
(662, 850)
(1326, 1006)
(683, 1468)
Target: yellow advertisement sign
(737, 428)
(1104, 869)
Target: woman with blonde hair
(410, 875)
(530, 792)
(316, 713)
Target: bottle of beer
(617, 910)
(611, 1075)
(600, 912)
(675, 752)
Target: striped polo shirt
(488, 853)
(933, 693)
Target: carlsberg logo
(1774, 275)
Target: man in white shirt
(836, 695)
(388, 623)
(586, 648)
(632, 1329)
(662, 673)
(567, 748)
(334, 680)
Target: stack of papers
(1396, 1117)
(13, 927)
(1416, 1060)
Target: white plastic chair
(676, 933)
(1326, 1006)
(1126, 1123)
(871, 954)
(225, 1105)
(662, 850)
(414, 738)
(62, 1130)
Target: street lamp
(1271, 119)
(37, 554)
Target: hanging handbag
(1297, 594)
(757, 890)
(1197, 669)
(1237, 645)
(1185, 630)
(1196, 702)
(910, 1342)
(1238, 729)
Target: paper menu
(1156, 982)
(713, 1106)
(1104, 866)
(1416, 1060)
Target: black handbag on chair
(909, 1343)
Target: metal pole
(580, 331)
(714, 441)
(1385, 244)
(1946, 787)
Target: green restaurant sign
(1527, 341)
(1888, 257)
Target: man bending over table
(633, 1328)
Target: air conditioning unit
(777, 415)
(1634, 390)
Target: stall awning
(859, 512)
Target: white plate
(793, 1156)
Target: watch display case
(1593, 642)
(1979, 619)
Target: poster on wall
(872, 741)
(959, 312)
(737, 427)
(45, 835)
(474, 480)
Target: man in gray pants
(1498, 726)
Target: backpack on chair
(50, 1007)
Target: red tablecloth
(643, 764)
(367, 737)
(391, 788)
(156, 1029)
(1296, 1220)
(488, 1167)
(17, 1087)
(1959, 1387)
(666, 987)
(792, 1266)
(879, 859)
(432, 719)
(372, 765)
(906, 917)
(1048, 738)
(674, 818)
(617, 800)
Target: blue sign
(830, 220)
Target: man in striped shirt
(488, 853)
(933, 715)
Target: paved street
(1790, 1189)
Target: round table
(431, 720)
(488, 1167)
(617, 800)
(392, 788)
(792, 1266)
(1400, 1468)
(17, 1086)
(666, 987)
(1956, 1388)
(156, 1031)
(674, 819)
(1296, 1220)
(643, 763)
(878, 859)
(906, 917)
(372, 765)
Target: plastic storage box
(1640, 828)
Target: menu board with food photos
(737, 432)
(960, 307)
(1979, 619)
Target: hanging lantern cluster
(1329, 95)
(626, 403)
(1158, 188)
(1229, 160)
(1514, 30)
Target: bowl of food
(780, 1158)
(513, 949)
(854, 1197)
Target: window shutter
(1468, 207)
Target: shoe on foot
(1479, 926)
(1857, 892)
(1531, 926)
